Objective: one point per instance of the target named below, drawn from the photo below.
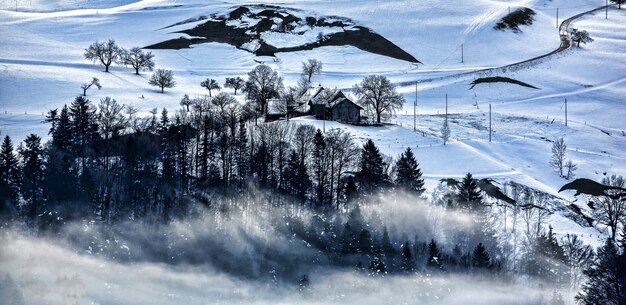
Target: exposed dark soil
(512, 21)
(272, 18)
(500, 79)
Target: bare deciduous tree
(139, 60)
(105, 52)
(210, 84)
(558, 155)
(235, 83)
(311, 67)
(162, 79)
(94, 82)
(380, 94)
(186, 102)
(571, 168)
(263, 84)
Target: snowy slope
(41, 67)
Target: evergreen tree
(408, 174)
(407, 257)
(350, 189)
(372, 167)
(82, 121)
(480, 257)
(605, 279)
(386, 245)
(243, 158)
(469, 194)
(434, 256)
(10, 177)
(297, 178)
(377, 266)
(364, 243)
(548, 260)
(62, 131)
(33, 172)
(320, 168)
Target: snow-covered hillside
(42, 67)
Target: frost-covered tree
(311, 67)
(186, 102)
(235, 83)
(611, 211)
(605, 278)
(162, 79)
(580, 36)
(378, 93)
(558, 155)
(105, 52)
(210, 84)
(578, 257)
(408, 173)
(445, 132)
(94, 82)
(138, 59)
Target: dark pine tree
(296, 176)
(62, 131)
(481, 258)
(372, 167)
(33, 173)
(386, 245)
(605, 278)
(320, 168)
(548, 260)
(10, 178)
(408, 174)
(434, 256)
(469, 194)
(407, 257)
(243, 155)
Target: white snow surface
(42, 67)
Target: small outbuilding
(327, 104)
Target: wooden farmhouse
(327, 104)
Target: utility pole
(446, 122)
(509, 10)
(607, 9)
(462, 55)
(565, 112)
(415, 109)
(489, 122)
(557, 17)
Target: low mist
(241, 252)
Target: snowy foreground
(42, 68)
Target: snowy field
(42, 68)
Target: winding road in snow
(565, 44)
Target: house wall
(346, 112)
(318, 111)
